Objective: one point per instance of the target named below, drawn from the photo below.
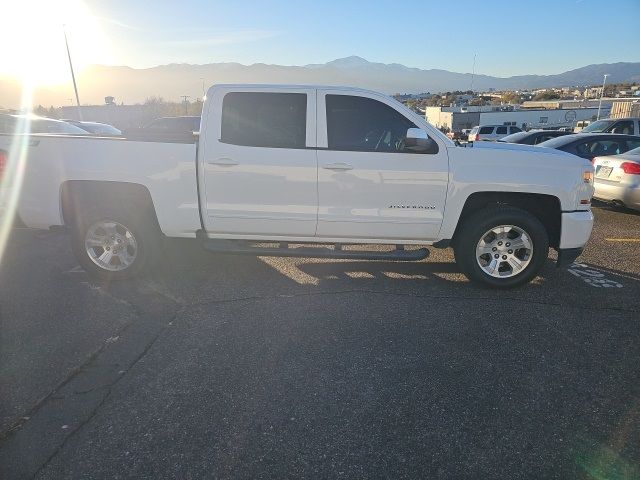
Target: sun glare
(33, 31)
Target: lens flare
(33, 30)
(11, 182)
(37, 57)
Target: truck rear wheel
(501, 247)
(114, 245)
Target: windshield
(599, 126)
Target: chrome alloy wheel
(504, 251)
(111, 245)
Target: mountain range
(130, 85)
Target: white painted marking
(76, 269)
(592, 276)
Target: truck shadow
(615, 208)
(188, 262)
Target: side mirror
(417, 141)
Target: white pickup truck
(292, 165)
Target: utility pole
(203, 92)
(604, 81)
(186, 103)
(73, 77)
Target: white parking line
(76, 269)
(592, 276)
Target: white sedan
(617, 179)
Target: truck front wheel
(114, 245)
(501, 247)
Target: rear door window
(501, 130)
(264, 119)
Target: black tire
(477, 224)
(145, 232)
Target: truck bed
(166, 168)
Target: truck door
(369, 185)
(258, 166)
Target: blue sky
(510, 37)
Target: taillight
(477, 137)
(3, 162)
(630, 168)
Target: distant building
(403, 97)
(593, 92)
(623, 109)
(457, 118)
(464, 98)
(564, 104)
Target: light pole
(604, 81)
(73, 77)
(203, 92)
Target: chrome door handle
(223, 162)
(338, 166)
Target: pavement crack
(108, 388)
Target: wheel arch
(545, 208)
(77, 196)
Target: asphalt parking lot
(240, 367)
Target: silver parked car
(617, 179)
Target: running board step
(244, 248)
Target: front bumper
(574, 233)
(575, 229)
